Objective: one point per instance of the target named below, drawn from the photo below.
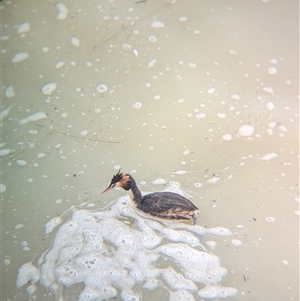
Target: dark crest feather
(117, 178)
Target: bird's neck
(135, 193)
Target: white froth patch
(33, 117)
(21, 162)
(270, 106)
(5, 112)
(269, 156)
(63, 11)
(159, 181)
(9, 92)
(211, 91)
(270, 219)
(179, 172)
(227, 137)
(152, 39)
(5, 151)
(182, 19)
(246, 130)
(19, 226)
(157, 24)
(272, 70)
(58, 65)
(137, 105)
(2, 188)
(6, 261)
(54, 222)
(268, 90)
(236, 242)
(217, 291)
(23, 28)
(235, 97)
(27, 273)
(213, 180)
(221, 115)
(48, 89)
(109, 256)
(75, 41)
(211, 243)
(101, 88)
(20, 57)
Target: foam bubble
(157, 24)
(19, 226)
(5, 112)
(268, 157)
(33, 117)
(75, 41)
(137, 105)
(20, 57)
(246, 130)
(236, 242)
(9, 92)
(227, 137)
(54, 222)
(270, 219)
(5, 151)
(49, 88)
(101, 88)
(23, 28)
(111, 252)
(63, 11)
(27, 273)
(216, 291)
(59, 64)
(2, 188)
(21, 162)
(159, 181)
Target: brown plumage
(168, 205)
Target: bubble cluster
(110, 256)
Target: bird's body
(168, 205)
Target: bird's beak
(108, 189)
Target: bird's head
(119, 180)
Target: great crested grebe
(168, 205)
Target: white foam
(21, 162)
(49, 88)
(221, 115)
(268, 157)
(63, 11)
(236, 242)
(5, 151)
(2, 188)
(5, 112)
(59, 64)
(270, 106)
(213, 180)
(9, 92)
(33, 117)
(246, 130)
(137, 105)
(75, 41)
(159, 181)
(272, 70)
(227, 137)
(101, 88)
(216, 291)
(157, 24)
(20, 57)
(27, 273)
(110, 255)
(23, 28)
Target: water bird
(163, 204)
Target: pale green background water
(214, 67)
